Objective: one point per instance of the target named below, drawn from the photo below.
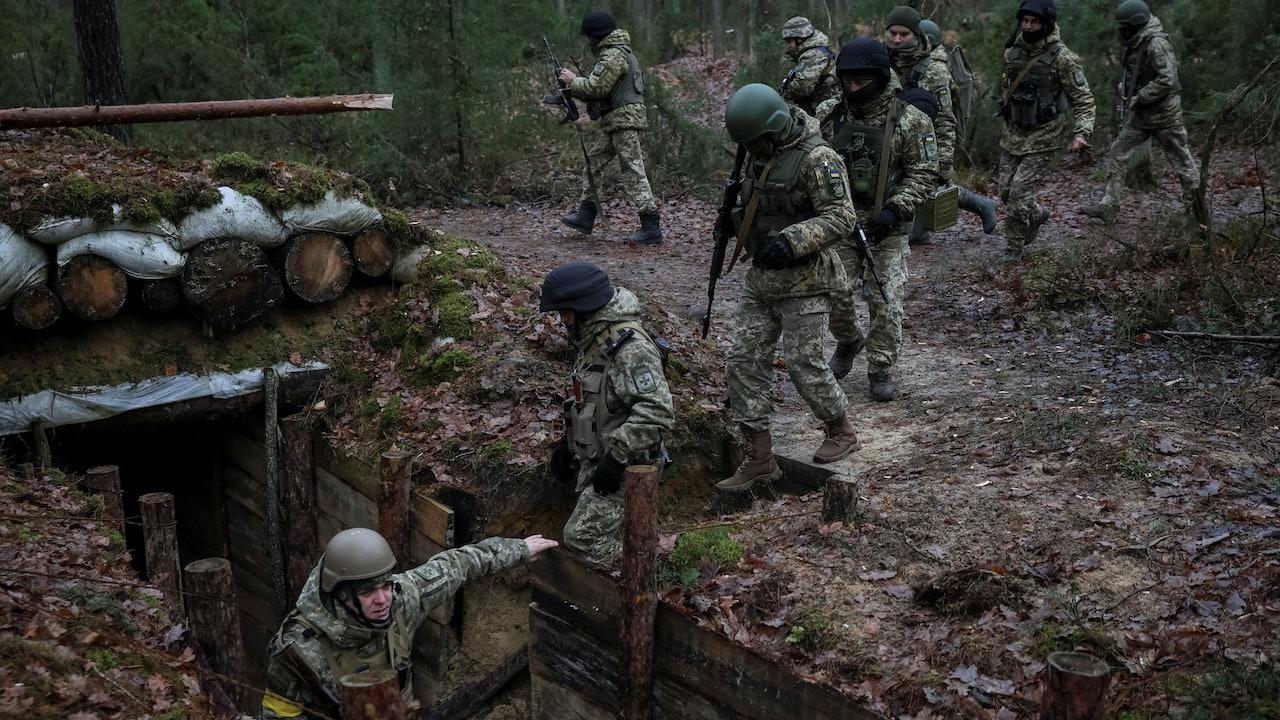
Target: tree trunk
(92, 287)
(717, 28)
(317, 266)
(744, 28)
(372, 252)
(299, 499)
(396, 471)
(458, 70)
(162, 296)
(275, 515)
(839, 499)
(215, 620)
(160, 537)
(373, 695)
(14, 118)
(104, 480)
(98, 39)
(1075, 687)
(639, 582)
(37, 308)
(229, 281)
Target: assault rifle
(722, 231)
(564, 98)
(861, 238)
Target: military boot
(650, 233)
(982, 206)
(840, 441)
(584, 218)
(1106, 212)
(882, 387)
(758, 465)
(919, 236)
(842, 359)
(1033, 230)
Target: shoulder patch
(1080, 79)
(835, 179)
(599, 68)
(644, 382)
(929, 141)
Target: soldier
(614, 92)
(1151, 108)
(1041, 79)
(621, 405)
(795, 209)
(357, 614)
(891, 155)
(813, 78)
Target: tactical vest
(391, 651)
(587, 413)
(627, 91)
(826, 88)
(1036, 100)
(1146, 73)
(782, 201)
(860, 144)
(913, 78)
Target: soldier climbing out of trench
(356, 614)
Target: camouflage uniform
(813, 80)
(1151, 75)
(918, 67)
(319, 641)
(1030, 147)
(808, 203)
(912, 175)
(623, 408)
(614, 92)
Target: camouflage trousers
(801, 322)
(628, 171)
(594, 529)
(884, 335)
(1177, 148)
(1020, 178)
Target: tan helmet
(797, 27)
(355, 554)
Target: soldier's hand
(607, 477)
(1079, 143)
(1133, 102)
(538, 544)
(567, 75)
(882, 224)
(775, 252)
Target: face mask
(761, 147)
(868, 93)
(1128, 32)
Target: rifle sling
(749, 216)
(886, 147)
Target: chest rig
(587, 415)
(864, 146)
(627, 91)
(1031, 95)
(390, 651)
(783, 200)
(1138, 70)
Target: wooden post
(1075, 687)
(44, 454)
(105, 481)
(373, 695)
(299, 499)
(28, 472)
(215, 619)
(27, 117)
(160, 536)
(639, 583)
(839, 499)
(271, 453)
(396, 470)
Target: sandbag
(236, 215)
(55, 231)
(23, 264)
(340, 216)
(139, 255)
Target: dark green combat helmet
(757, 112)
(355, 554)
(1133, 13)
(577, 286)
(797, 27)
(930, 30)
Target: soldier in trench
(356, 614)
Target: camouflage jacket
(319, 639)
(913, 168)
(611, 64)
(813, 78)
(820, 194)
(1069, 80)
(1151, 74)
(936, 78)
(639, 409)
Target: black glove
(882, 224)
(775, 252)
(562, 465)
(607, 477)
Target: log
(162, 296)
(160, 538)
(274, 481)
(230, 282)
(373, 695)
(639, 583)
(467, 699)
(372, 252)
(92, 287)
(26, 117)
(839, 500)
(104, 480)
(215, 620)
(396, 469)
(317, 266)
(37, 308)
(1075, 687)
(44, 453)
(299, 499)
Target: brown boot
(840, 441)
(758, 465)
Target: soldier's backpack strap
(1048, 56)
(886, 149)
(753, 206)
(918, 70)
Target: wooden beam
(639, 582)
(393, 502)
(301, 544)
(160, 537)
(27, 117)
(271, 456)
(433, 519)
(372, 695)
(215, 620)
(105, 481)
(466, 700)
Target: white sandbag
(140, 255)
(236, 215)
(22, 264)
(55, 231)
(340, 216)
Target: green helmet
(755, 111)
(905, 16)
(797, 27)
(1133, 13)
(930, 29)
(355, 554)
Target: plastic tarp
(53, 408)
(22, 264)
(55, 231)
(236, 215)
(143, 256)
(340, 216)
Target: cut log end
(373, 694)
(1075, 687)
(372, 252)
(37, 308)
(230, 282)
(162, 296)
(317, 266)
(92, 287)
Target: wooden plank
(247, 453)
(352, 471)
(422, 549)
(433, 645)
(552, 701)
(673, 701)
(433, 519)
(583, 597)
(244, 492)
(343, 503)
(326, 527)
(467, 699)
(560, 653)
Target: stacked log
(230, 282)
(37, 308)
(317, 266)
(373, 253)
(162, 296)
(92, 287)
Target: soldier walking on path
(795, 208)
(1151, 108)
(813, 78)
(1042, 79)
(891, 156)
(614, 93)
(620, 409)
(357, 614)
